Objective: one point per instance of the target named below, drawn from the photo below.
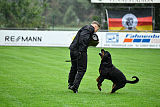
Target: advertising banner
(64, 39)
(131, 40)
(36, 38)
(125, 1)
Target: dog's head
(105, 57)
(102, 53)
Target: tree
(70, 16)
(20, 13)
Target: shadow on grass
(96, 93)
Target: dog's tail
(133, 82)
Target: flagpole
(107, 19)
(153, 15)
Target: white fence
(64, 38)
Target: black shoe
(74, 89)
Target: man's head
(96, 26)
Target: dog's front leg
(113, 85)
(100, 79)
(98, 85)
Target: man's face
(96, 27)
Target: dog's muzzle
(100, 54)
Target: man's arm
(84, 40)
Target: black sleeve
(84, 40)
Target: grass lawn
(37, 77)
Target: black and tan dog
(108, 71)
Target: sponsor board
(134, 40)
(141, 38)
(36, 38)
(64, 39)
(112, 38)
(125, 1)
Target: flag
(137, 19)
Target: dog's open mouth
(102, 53)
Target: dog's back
(116, 76)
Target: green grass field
(37, 77)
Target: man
(78, 54)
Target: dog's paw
(99, 86)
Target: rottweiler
(108, 71)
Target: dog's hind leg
(116, 87)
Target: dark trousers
(78, 68)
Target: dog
(108, 71)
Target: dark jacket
(81, 41)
